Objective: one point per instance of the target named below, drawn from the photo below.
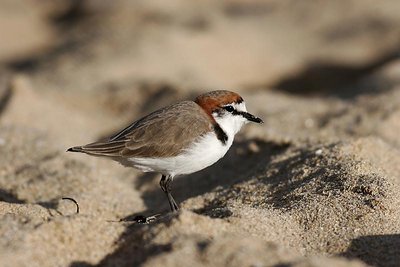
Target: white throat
(231, 124)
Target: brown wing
(163, 133)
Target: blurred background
(112, 61)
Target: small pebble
(318, 152)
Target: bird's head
(227, 108)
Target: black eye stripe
(228, 108)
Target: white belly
(205, 152)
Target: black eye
(229, 108)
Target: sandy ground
(317, 185)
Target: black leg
(165, 184)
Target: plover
(182, 138)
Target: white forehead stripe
(239, 106)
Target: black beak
(252, 118)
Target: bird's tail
(106, 149)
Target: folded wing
(163, 133)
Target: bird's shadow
(242, 161)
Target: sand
(318, 184)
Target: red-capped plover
(182, 138)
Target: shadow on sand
(241, 162)
(334, 79)
(376, 250)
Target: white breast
(204, 152)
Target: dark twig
(73, 200)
